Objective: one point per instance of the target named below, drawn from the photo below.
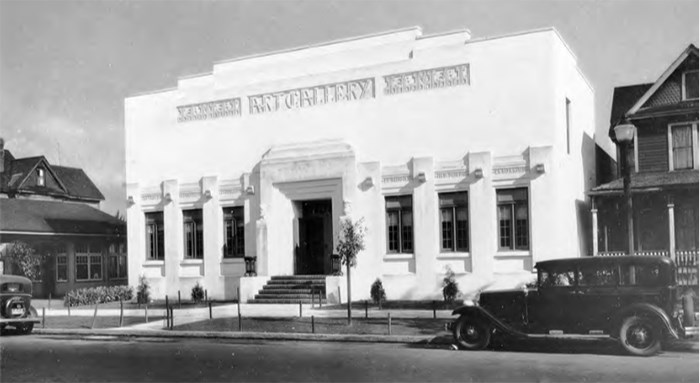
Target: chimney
(2, 155)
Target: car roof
(14, 279)
(592, 261)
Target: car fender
(648, 310)
(483, 314)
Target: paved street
(43, 358)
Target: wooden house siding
(669, 93)
(652, 151)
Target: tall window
(513, 226)
(155, 247)
(194, 234)
(399, 224)
(568, 126)
(88, 263)
(690, 85)
(682, 146)
(62, 267)
(40, 177)
(454, 222)
(117, 262)
(234, 232)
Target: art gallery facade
(469, 153)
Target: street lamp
(624, 135)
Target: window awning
(27, 216)
(650, 182)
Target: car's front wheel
(640, 336)
(472, 333)
(25, 328)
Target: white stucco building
(469, 153)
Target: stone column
(173, 236)
(483, 226)
(425, 226)
(212, 217)
(261, 242)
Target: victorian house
(55, 211)
(664, 170)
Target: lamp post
(624, 135)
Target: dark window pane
(446, 231)
(462, 229)
(598, 276)
(521, 227)
(406, 231)
(505, 227)
(240, 237)
(95, 267)
(682, 139)
(691, 85)
(392, 218)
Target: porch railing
(686, 263)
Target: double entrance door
(315, 241)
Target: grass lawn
(100, 322)
(397, 305)
(375, 326)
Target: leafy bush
(197, 293)
(377, 292)
(450, 288)
(143, 290)
(25, 258)
(99, 294)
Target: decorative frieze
(209, 110)
(312, 96)
(147, 197)
(455, 173)
(394, 179)
(510, 170)
(427, 79)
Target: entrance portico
(302, 191)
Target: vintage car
(630, 298)
(16, 304)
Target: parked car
(629, 298)
(16, 304)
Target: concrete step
(285, 301)
(295, 287)
(285, 296)
(290, 292)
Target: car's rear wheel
(640, 336)
(472, 333)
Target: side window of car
(557, 278)
(641, 275)
(597, 276)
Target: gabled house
(664, 170)
(55, 210)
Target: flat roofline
(439, 34)
(149, 92)
(318, 45)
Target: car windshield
(560, 278)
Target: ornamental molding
(426, 79)
(209, 110)
(453, 173)
(395, 179)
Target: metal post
(167, 316)
(626, 181)
(43, 317)
(69, 310)
(179, 302)
(206, 295)
(121, 313)
(340, 300)
(172, 317)
(146, 311)
(389, 316)
(313, 326)
(300, 309)
(210, 316)
(94, 318)
(166, 302)
(238, 294)
(434, 311)
(366, 309)
(240, 321)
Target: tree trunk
(349, 297)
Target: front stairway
(292, 289)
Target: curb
(242, 335)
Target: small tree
(143, 291)
(25, 258)
(450, 288)
(351, 240)
(377, 292)
(197, 293)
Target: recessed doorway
(315, 240)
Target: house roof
(643, 182)
(78, 183)
(56, 217)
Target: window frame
(90, 256)
(234, 215)
(40, 177)
(197, 234)
(454, 207)
(159, 235)
(513, 236)
(59, 265)
(400, 213)
(694, 144)
(684, 92)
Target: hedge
(99, 294)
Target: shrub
(143, 290)
(99, 294)
(197, 293)
(450, 288)
(377, 292)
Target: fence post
(210, 316)
(340, 300)
(366, 308)
(240, 322)
(320, 299)
(121, 313)
(43, 317)
(146, 310)
(206, 295)
(172, 317)
(68, 309)
(166, 302)
(313, 326)
(300, 310)
(434, 311)
(238, 294)
(389, 315)
(179, 302)
(94, 317)
(49, 301)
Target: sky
(66, 66)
